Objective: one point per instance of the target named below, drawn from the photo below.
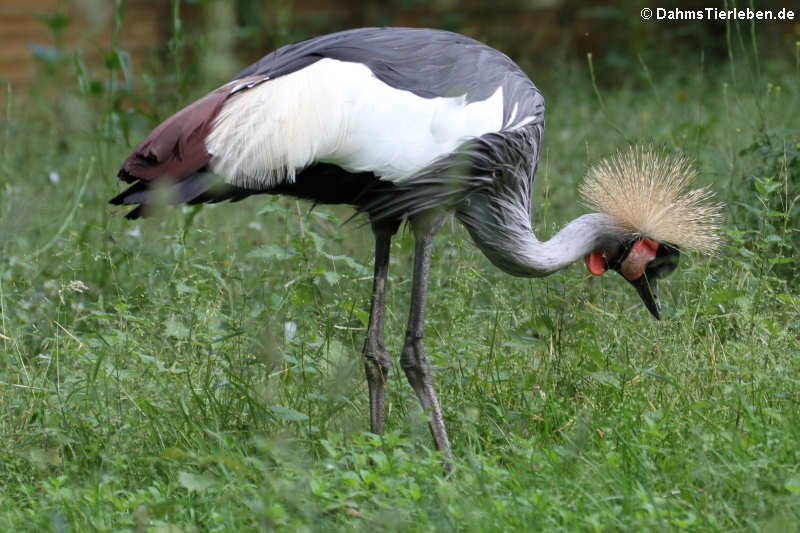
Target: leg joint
(378, 359)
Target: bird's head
(642, 262)
(655, 216)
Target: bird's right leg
(413, 359)
(377, 361)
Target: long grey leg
(414, 360)
(377, 361)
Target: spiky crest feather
(647, 193)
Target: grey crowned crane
(416, 124)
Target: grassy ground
(201, 370)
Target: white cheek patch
(338, 112)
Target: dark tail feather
(136, 213)
(200, 187)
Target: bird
(418, 125)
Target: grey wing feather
(427, 62)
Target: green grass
(147, 380)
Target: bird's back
(429, 63)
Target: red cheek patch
(649, 245)
(596, 263)
(642, 252)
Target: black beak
(664, 263)
(647, 287)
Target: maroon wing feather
(176, 148)
(175, 152)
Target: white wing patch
(339, 112)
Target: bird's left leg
(377, 361)
(414, 360)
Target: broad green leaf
(792, 484)
(288, 414)
(331, 277)
(195, 482)
(271, 251)
(176, 329)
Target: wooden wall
(24, 30)
(148, 25)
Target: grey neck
(515, 249)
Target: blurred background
(38, 34)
